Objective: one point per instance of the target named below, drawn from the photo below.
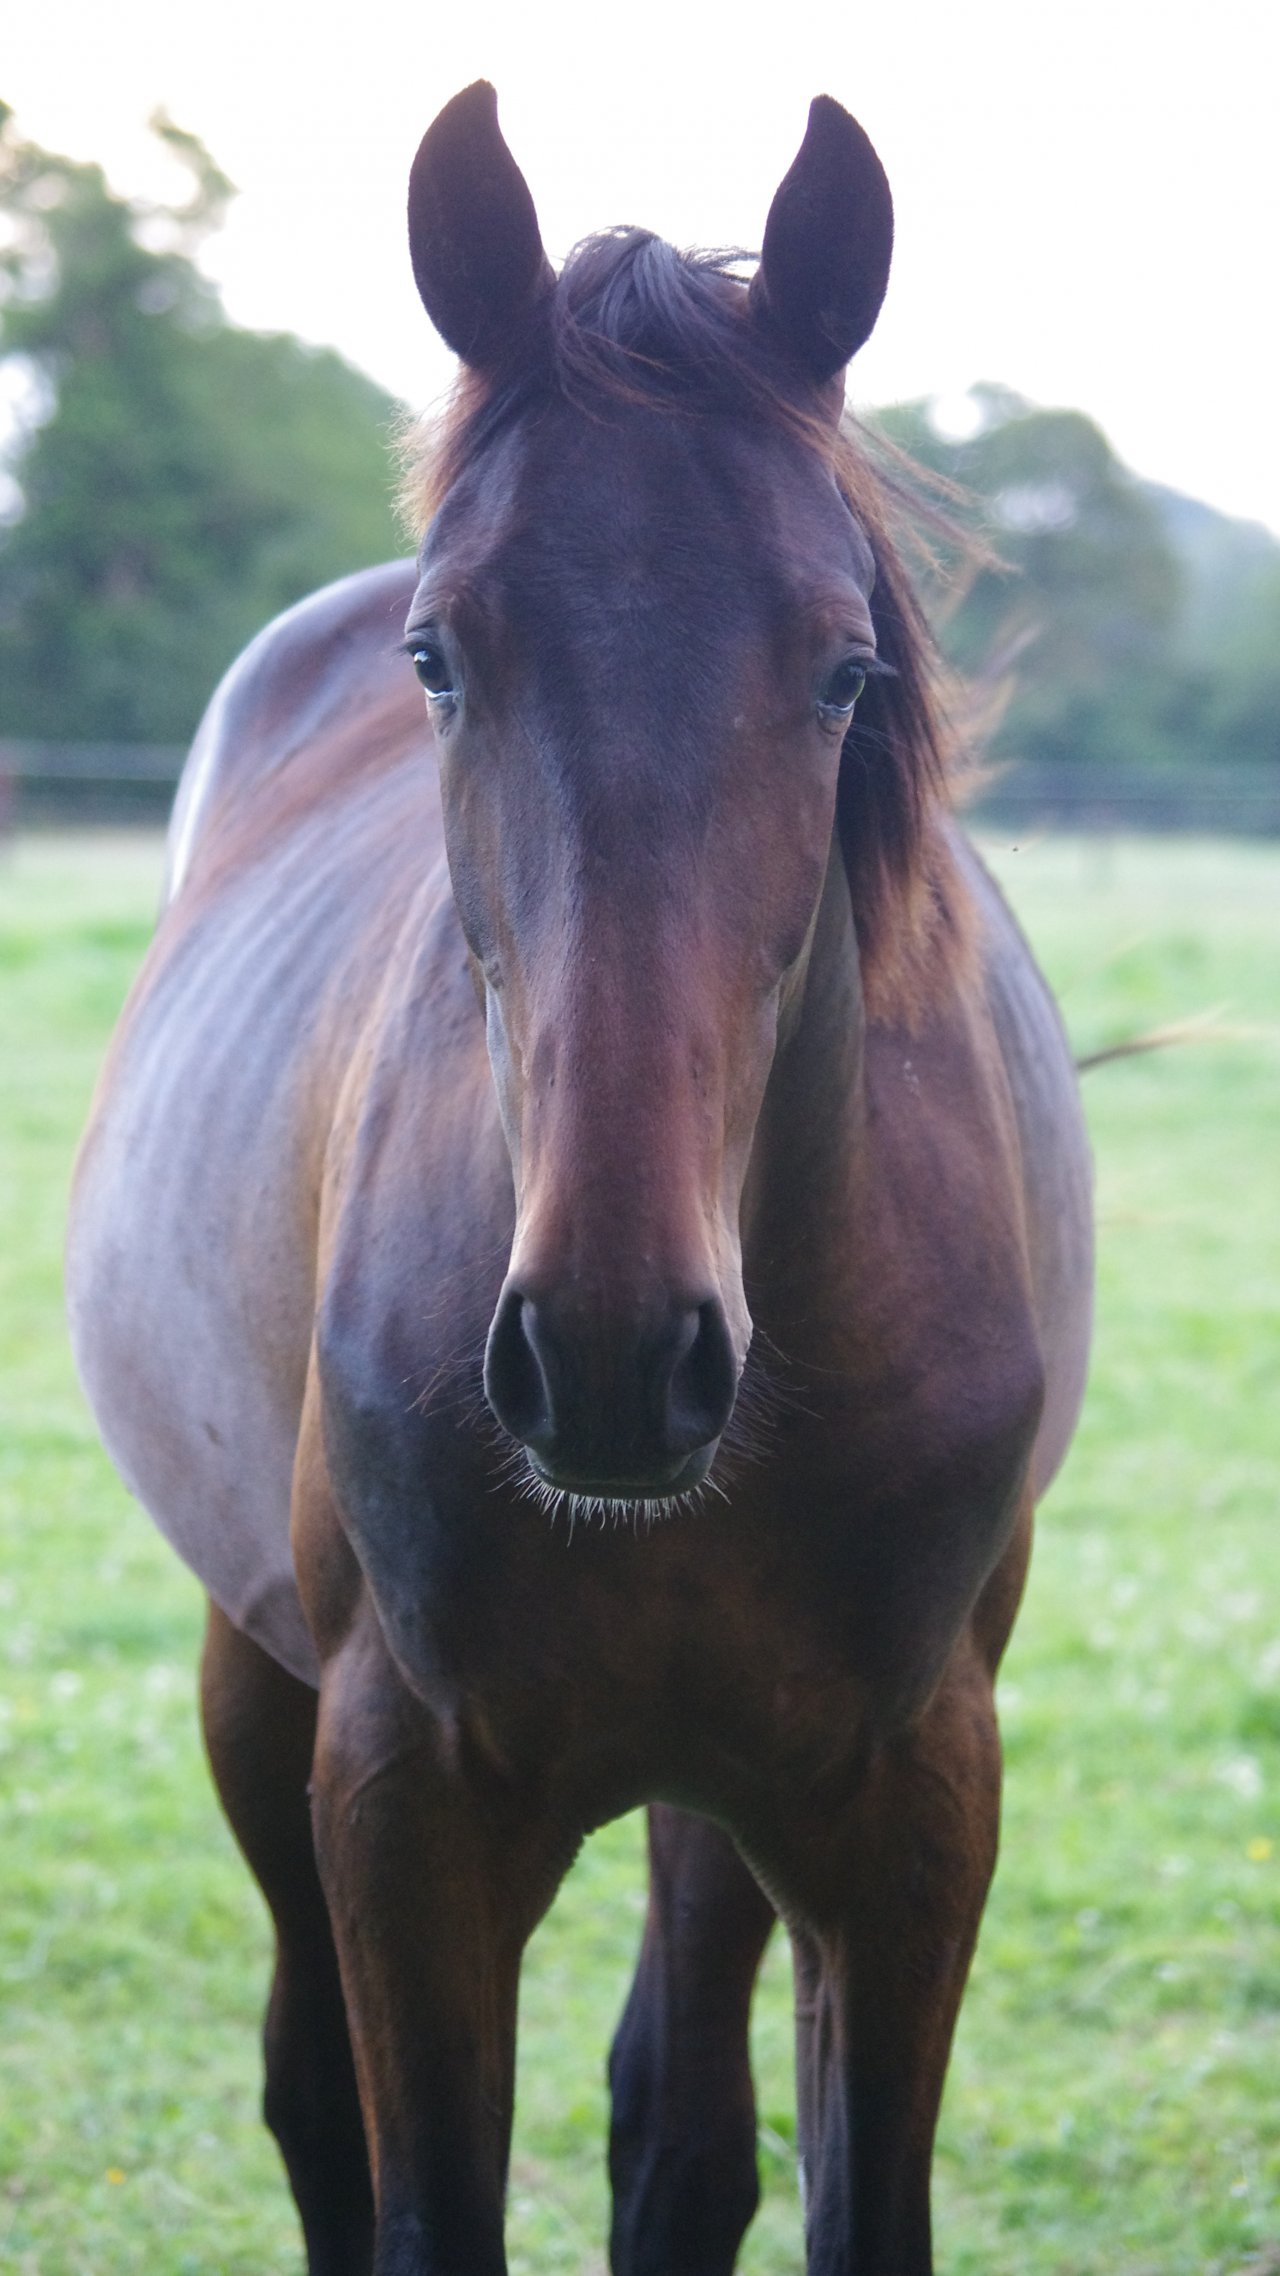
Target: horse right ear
(828, 241)
(474, 240)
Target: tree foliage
(1123, 620)
(178, 479)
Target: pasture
(1114, 2102)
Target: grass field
(1114, 2103)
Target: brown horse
(625, 1099)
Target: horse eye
(432, 670)
(843, 689)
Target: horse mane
(634, 323)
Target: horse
(583, 1243)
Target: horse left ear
(827, 246)
(473, 233)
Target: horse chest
(736, 1648)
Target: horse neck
(803, 1188)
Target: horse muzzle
(621, 1409)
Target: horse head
(642, 622)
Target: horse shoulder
(979, 1247)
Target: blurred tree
(1242, 700)
(176, 480)
(1108, 617)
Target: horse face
(644, 638)
(641, 632)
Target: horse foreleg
(682, 2149)
(436, 1873)
(259, 1725)
(885, 1931)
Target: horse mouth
(624, 1491)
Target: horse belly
(190, 1272)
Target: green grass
(1114, 2103)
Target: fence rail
(73, 784)
(78, 783)
(1218, 799)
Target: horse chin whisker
(766, 1401)
(455, 1386)
(456, 1389)
(636, 1510)
(511, 1468)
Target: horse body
(617, 1094)
(200, 1198)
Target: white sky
(1086, 193)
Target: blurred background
(1077, 332)
(198, 383)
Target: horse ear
(473, 233)
(827, 246)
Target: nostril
(514, 1382)
(609, 1401)
(704, 1380)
